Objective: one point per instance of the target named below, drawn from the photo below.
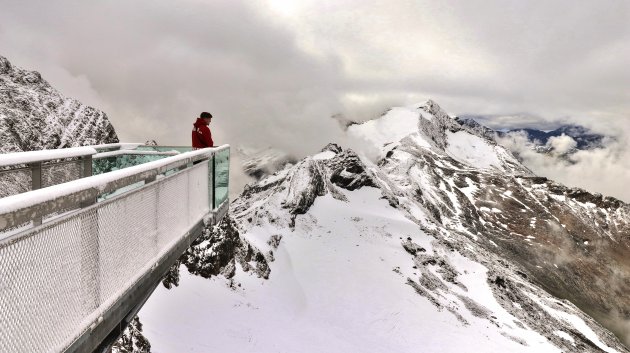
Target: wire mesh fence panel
(172, 212)
(58, 278)
(59, 173)
(198, 201)
(41, 288)
(15, 181)
(126, 240)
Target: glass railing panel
(211, 182)
(109, 164)
(180, 149)
(221, 176)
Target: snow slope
(338, 285)
(396, 255)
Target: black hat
(205, 115)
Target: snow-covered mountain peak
(393, 252)
(427, 127)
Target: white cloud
(273, 72)
(561, 145)
(605, 170)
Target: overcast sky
(273, 72)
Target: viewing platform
(87, 234)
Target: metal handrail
(133, 152)
(19, 209)
(117, 146)
(30, 157)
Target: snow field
(332, 289)
(390, 128)
(472, 150)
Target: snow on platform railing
(61, 278)
(19, 158)
(133, 152)
(117, 146)
(24, 171)
(18, 209)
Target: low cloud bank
(605, 170)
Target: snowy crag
(444, 243)
(35, 116)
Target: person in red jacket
(201, 135)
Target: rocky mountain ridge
(35, 116)
(560, 236)
(487, 248)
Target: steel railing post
(214, 182)
(87, 166)
(36, 183)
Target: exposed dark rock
(332, 147)
(307, 183)
(274, 241)
(216, 251)
(423, 292)
(132, 340)
(171, 279)
(5, 65)
(412, 248)
(349, 172)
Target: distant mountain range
(585, 138)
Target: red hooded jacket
(201, 135)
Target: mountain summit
(443, 243)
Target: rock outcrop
(35, 116)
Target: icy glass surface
(221, 176)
